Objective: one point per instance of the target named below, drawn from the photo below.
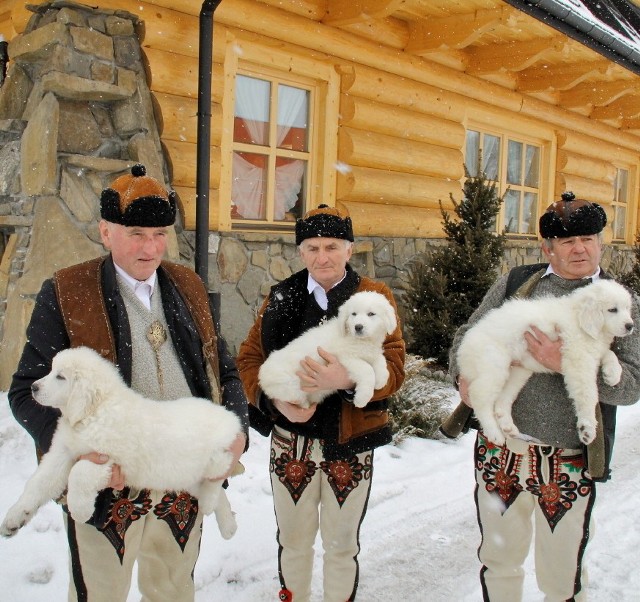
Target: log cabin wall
(396, 88)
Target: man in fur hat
(151, 318)
(321, 457)
(544, 481)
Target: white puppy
(355, 336)
(587, 321)
(176, 445)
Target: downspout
(203, 150)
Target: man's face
(574, 257)
(325, 258)
(138, 251)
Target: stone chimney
(75, 112)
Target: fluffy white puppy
(355, 336)
(176, 445)
(587, 321)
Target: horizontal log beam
(585, 188)
(381, 186)
(181, 157)
(385, 220)
(187, 205)
(365, 149)
(585, 167)
(363, 114)
(177, 118)
(626, 107)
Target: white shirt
(143, 289)
(595, 276)
(319, 293)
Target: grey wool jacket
(543, 408)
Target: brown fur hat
(137, 199)
(325, 221)
(572, 217)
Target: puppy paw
(508, 427)
(381, 378)
(13, 522)
(227, 524)
(496, 436)
(586, 431)
(611, 373)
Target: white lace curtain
(252, 106)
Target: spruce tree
(447, 287)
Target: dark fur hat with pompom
(572, 217)
(325, 221)
(137, 199)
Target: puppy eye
(613, 310)
(371, 313)
(60, 377)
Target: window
(270, 150)
(515, 166)
(620, 204)
(279, 140)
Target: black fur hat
(325, 221)
(572, 217)
(138, 200)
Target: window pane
(251, 124)
(472, 152)
(529, 213)
(491, 156)
(622, 180)
(293, 117)
(511, 211)
(532, 167)
(514, 162)
(290, 180)
(619, 222)
(249, 185)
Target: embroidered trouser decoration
(121, 513)
(179, 511)
(344, 476)
(293, 472)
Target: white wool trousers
(528, 492)
(160, 531)
(311, 493)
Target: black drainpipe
(203, 152)
(4, 59)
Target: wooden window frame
(298, 70)
(618, 203)
(506, 136)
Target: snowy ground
(419, 538)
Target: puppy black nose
(629, 326)
(34, 388)
(359, 327)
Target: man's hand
(544, 350)
(117, 477)
(331, 376)
(293, 412)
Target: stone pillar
(75, 112)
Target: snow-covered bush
(422, 403)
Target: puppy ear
(591, 316)
(390, 320)
(83, 397)
(343, 314)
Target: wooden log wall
(401, 130)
